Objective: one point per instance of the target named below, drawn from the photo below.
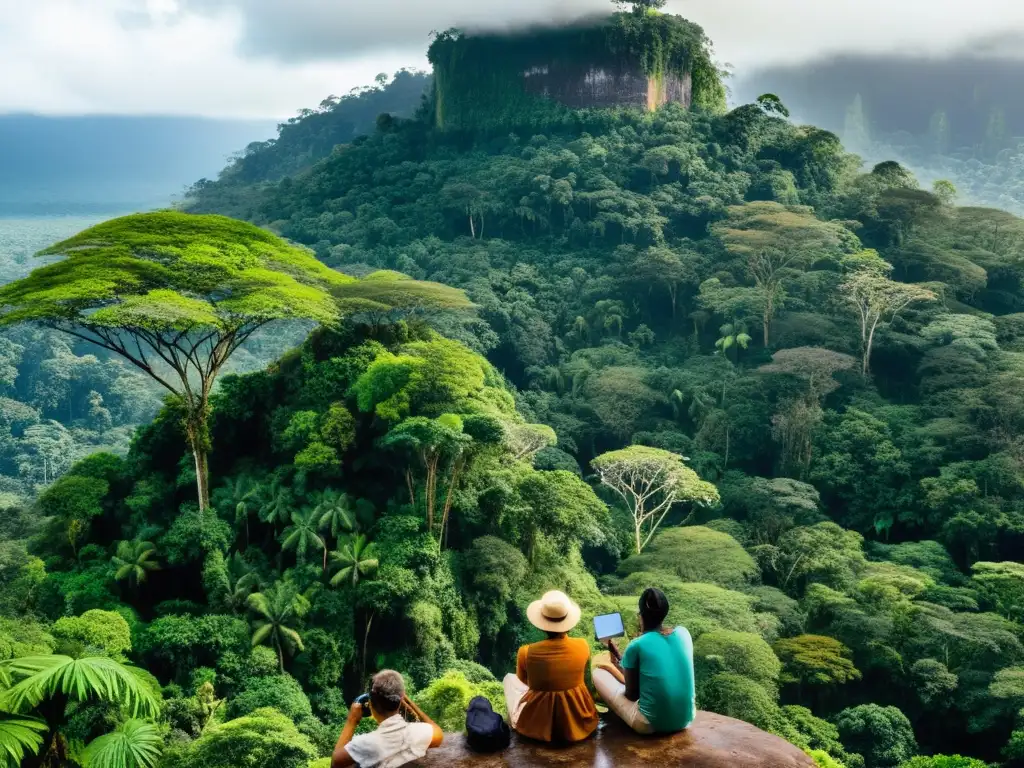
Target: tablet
(608, 625)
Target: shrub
(697, 554)
(282, 692)
(736, 696)
(447, 698)
(742, 653)
(103, 631)
(264, 738)
(883, 735)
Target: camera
(363, 700)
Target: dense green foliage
(709, 354)
(313, 134)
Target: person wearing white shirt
(396, 741)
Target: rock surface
(713, 741)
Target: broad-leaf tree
(814, 365)
(437, 444)
(815, 660)
(526, 440)
(175, 295)
(1002, 586)
(387, 296)
(651, 481)
(777, 241)
(878, 300)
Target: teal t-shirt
(667, 694)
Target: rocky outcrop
(617, 83)
(713, 741)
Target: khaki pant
(613, 694)
(515, 690)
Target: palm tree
(134, 561)
(276, 507)
(242, 582)
(242, 495)
(335, 512)
(355, 558)
(275, 609)
(49, 686)
(301, 535)
(733, 334)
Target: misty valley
(572, 396)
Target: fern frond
(19, 738)
(135, 744)
(94, 677)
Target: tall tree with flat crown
(651, 481)
(175, 295)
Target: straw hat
(554, 612)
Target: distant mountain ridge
(110, 163)
(958, 117)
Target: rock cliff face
(614, 84)
(713, 741)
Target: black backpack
(486, 730)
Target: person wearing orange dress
(547, 697)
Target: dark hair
(653, 608)
(386, 691)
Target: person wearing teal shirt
(651, 687)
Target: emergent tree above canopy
(175, 295)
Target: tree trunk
(54, 752)
(280, 655)
(202, 477)
(366, 641)
(448, 504)
(769, 310)
(197, 434)
(472, 226)
(636, 532)
(866, 364)
(431, 488)
(412, 492)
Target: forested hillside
(954, 116)
(313, 134)
(818, 366)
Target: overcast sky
(267, 58)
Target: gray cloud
(259, 58)
(746, 32)
(312, 30)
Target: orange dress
(558, 706)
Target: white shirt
(393, 744)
